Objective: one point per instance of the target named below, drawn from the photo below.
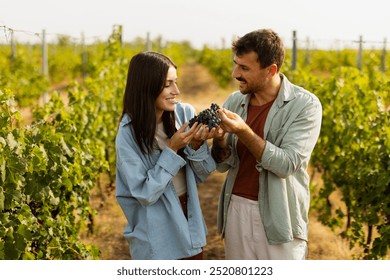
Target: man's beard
(245, 89)
(250, 88)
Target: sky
(318, 23)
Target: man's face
(247, 71)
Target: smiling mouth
(242, 83)
(172, 99)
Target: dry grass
(108, 225)
(110, 222)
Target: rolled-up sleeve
(201, 161)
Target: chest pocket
(280, 123)
(275, 136)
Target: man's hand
(232, 122)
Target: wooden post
(13, 48)
(383, 57)
(84, 56)
(307, 52)
(45, 64)
(120, 31)
(159, 44)
(294, 51)
(232, 80)
(360, 53)
(148, 42)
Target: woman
(160, 160)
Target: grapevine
(209, 117)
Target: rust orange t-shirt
(247, 180)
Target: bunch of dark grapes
(209, 117)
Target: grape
(208, 117)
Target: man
(271, 129)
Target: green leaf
(11, 251)
(2, 252)
(2, 198)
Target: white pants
(245, 237)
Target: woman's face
(167, 99)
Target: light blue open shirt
(157, 227)
(291, 132)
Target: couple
(268, 131)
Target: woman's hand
(182, 138)
(204, 133)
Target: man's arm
(232, 122)
(220, 149)
(252, 141)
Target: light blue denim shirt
(291, 132)
(157, 228)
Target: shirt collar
(285, 94)
(125, 120)
(286, 91)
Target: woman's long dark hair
(146, 79)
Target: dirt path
(110, 222)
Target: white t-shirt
(179, 181)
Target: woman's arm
(143, 177)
